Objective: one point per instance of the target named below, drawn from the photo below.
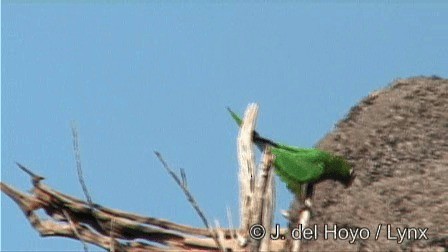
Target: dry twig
(78, 164)
(75, 230)
(183, 185)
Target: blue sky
(141, 77)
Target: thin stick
(190, 198)
(78, 165)
(112, 240)
(80, 175)
(219, 233)
(304, 215)
(267, 187)
(184, 177)
(230, 222)
(34, 177)
(73, 226)
(263, 201)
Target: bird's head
(348, 181)
(345, 172)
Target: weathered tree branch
(126, 226)
(183, 185)
(256, 185)
(116, 230)
(246, 159)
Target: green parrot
(298, 166)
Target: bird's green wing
(298, 166)
(304, 151)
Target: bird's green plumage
(296, 166)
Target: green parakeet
(297, 166)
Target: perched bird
(298, 166)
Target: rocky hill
(397, 141)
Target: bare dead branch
(157, 234)
(304, 219)
(34, 177)
(81, 180)
(304, 216)
(182, 183)
(184, 178)
(246, 160)
(127, 226)
(266, 197)
(112, 239)
(233, 234)
(256, 185)
(73, 226)
(116, 230)
(78, 164)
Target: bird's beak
(349, 182)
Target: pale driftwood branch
(116, 230)
(303, 218)
(267, 197)
(246, 160)
(34, 177)
(127, 227)
(112, 239)
(183, 185)
(256, 185)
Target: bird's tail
(235, 117)
(258, 140)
